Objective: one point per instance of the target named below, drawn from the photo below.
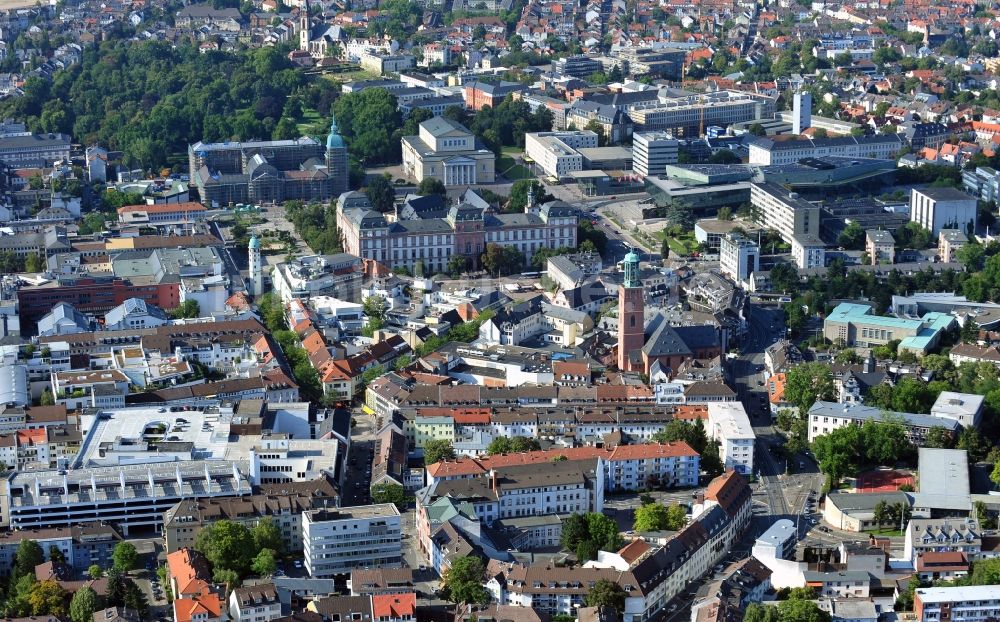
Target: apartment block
(336, 541)
(808, 251)
(880, 246)
(978, 603)
(729, 424)
(949, 242)
(254, 603)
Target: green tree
(679, 215)
(940, 438)
(124, 556)
(29, 554)
(368, 121)
(519, 194)
(83, 605)
(651, 517)
(995, 474)
(514, 444)
(95, 572)
(56, 555)
(807, 383)
(34, 263)
(880, 513)
(971, 256)
(574, 531)
(801, 610)
(226, 545)
(267, 535)
(606, 593)
(974, 442)
(431, 185)
(264, 564)
(46, 399)
(586, 550)
(436, 450)
(603, 531)
(381, 194)
(186, 310)
(463, 581)
(852, 237)
(679, 430)
(755, 612)
(47, 598)
(389, 493)
(757, 129)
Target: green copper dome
(333, 139)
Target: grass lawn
(885, 532)
(509, 169)
(309, 119)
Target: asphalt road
(784, 484)
(358, 480)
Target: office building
(784, 211)
(880, 246)
(738, 257)
(447, 151)
(652, 152)
(949, 242)
(858, 326)
(935, 209)
(801, 112)
(979, 603)
(336, 541)
(767, 151)
(687, 115)
(577, 66)
(557, 153)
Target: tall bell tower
(631, 317)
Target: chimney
(493, 480)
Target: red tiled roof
(394, 606)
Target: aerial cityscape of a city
(499, 311)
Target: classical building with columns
(448, 151)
